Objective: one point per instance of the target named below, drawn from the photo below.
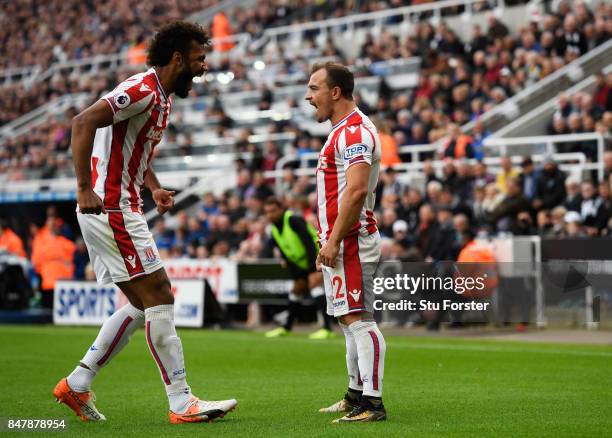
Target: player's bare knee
(163, 292)
(354, 317)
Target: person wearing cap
(550, 186)
(400, 229)
(573, 225)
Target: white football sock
(371, 348)
(167, 351)
(352, 364)
(114, 334)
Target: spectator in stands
(465, 181)
(479, 213)
(481, 175)
(449, 173)
(605, 193)
(603, 91)
(573, 199)
(507, 172)
(389, 148)
(505, 216)
(448, 241)
(258, 188)
(400, 233)
(197, 234)
(558, 126)
(389, 216)
(573, 225)
(222, 30)
(433, 192)
(607, 162)
(479, 135)
(550, 187)
(427, 239)
(528, 178)
(458, 145)
(593, 213)
(243, 183)
(270, 158)
(235, 209)
(571, 42)
(389, 185)
(544, 223)
(209, 206)
(408, 210)
(557, 217)
(162, 235)
(497, 29)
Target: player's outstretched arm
(164, 199)
(355, 194)
(84, 127)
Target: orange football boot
(82, 403)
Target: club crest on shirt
(354, 150)
(122, 100)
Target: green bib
(290, 243)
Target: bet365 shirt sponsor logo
(155, 134)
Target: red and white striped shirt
(353, 140)
(122, 151)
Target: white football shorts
(120, 245)
(349, 287)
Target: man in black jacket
(505, 215)
(550, 186)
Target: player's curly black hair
(174, 37)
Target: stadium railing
(32, 74)
(206, 16)
(574, 162)
(535, 121)
(245, 42)
(39, 115)
(378, 18)
(546, 144)
(529, 98)
(12, 76)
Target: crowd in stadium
(415, 224)
(459, 81)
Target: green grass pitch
(433, 387)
